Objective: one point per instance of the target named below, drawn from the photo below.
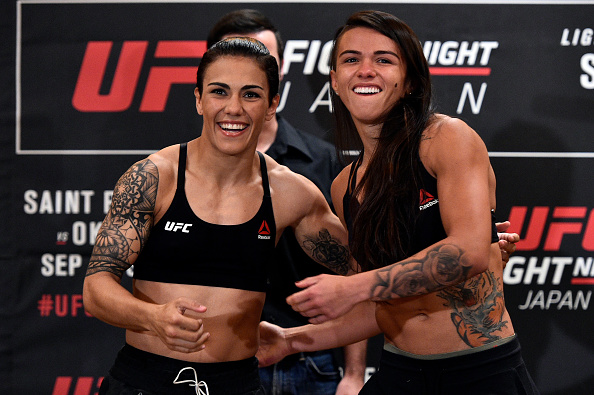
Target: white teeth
(232, 126)
(367, 89)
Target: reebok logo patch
(426, 200)
(264, 232)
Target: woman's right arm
(120, 239)
(276, 342)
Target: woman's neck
(369, 135)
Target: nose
(234, 105)
(366, 69)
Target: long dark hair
(243, 47)
(389, 190)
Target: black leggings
(136, 371)
(499, 370)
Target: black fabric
(136, 370)
(428, 228)
(201, 253)
(496, 371)
(315, 159)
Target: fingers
(508, 247)
(304, 304)
(180, 327)
(319, 319)
(189, 347)
(303, 296)
(189, 336)
(184, 304)
(502, 226)
(308, 310)
(298, 298)
(307, 282)
(509, 237)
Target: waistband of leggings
(506, 348)
(141, 368)
(395, 350)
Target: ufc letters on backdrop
(90, 87)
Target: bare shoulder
(282, 178)
(166, 160)
(293, 195)
(156, 177)
(444, 127)
(450, 140)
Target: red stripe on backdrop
(471, 71)
(582, 281)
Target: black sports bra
(184, 249)
(428, 229)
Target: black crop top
(429, 228)
(184, 249)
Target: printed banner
(90, 88)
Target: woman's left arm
(458, 158)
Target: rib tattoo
(478, 307)
(328, 251)
(128, 222)
(441, 267)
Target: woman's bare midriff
(457, 318)
(231, 318)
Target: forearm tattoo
(328, 251)
(127, 225)
(441, 267)
(478, 307)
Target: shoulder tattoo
(128, 222)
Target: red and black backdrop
(90, 87)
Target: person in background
(199, 221)
(419, 206)
(314, 373)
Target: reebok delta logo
(427, 200)
(264, 232)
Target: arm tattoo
(328, 251)
(441, 267)
(478, 307)
(128, 222)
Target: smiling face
(370, 75)
(234, 103)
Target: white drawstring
(193, 383)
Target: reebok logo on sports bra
(264, 232)
(427, 200)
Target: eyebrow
(352, 51)
(226, 86)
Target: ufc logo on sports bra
(175, 226)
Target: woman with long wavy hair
(419, 205)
